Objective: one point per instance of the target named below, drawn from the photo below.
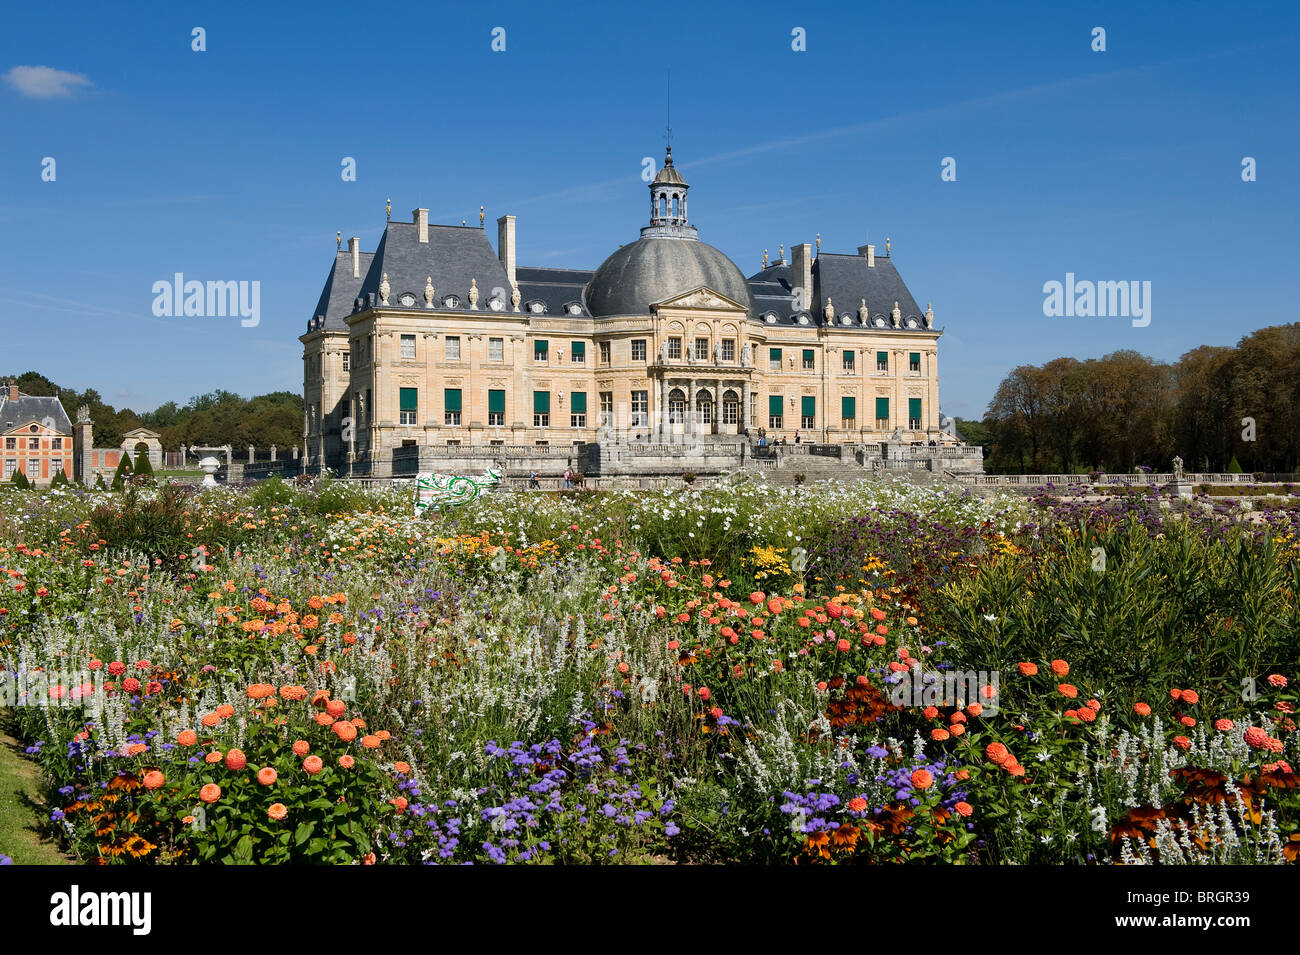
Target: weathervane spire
(669, 114)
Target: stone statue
(515, 297)
(428, 291)
(384, 289)
(863, 314)
(663, 354)
(897, 435)
(897, 315)
(1178, 469)
(717, 353)
(746, 354)
(473, 293)
(929, 316)
(829, 311)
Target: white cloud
(45, 82)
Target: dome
(655, 268)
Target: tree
(19, 480)
(123, 472)
(143, 467)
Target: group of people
(571, 480)
(777, 443)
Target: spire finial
(340, 240)
(388, 207)
(781, 252)
(765, 258)
(668, 119)
(886, 245)
(819, 243)
(480, 217)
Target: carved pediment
(701, 297)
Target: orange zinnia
(267, 776)
(1028, 669)
(1060, 667)
(346, 761)
(153, 779)
(236, 760)
(215, 756)
(187, 738)
(997, 753)
(278, 811)
(210, 793)
(1141, 709)
(313, 765)
(335, 708)
(344, 731)
(922, 779)
(210, 720)
(370, 742)
(225, 711)
(301, 747)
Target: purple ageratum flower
(5, 860)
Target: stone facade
(437, 340)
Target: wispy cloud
(45, 82)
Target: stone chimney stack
(801, 273)
(506, 245)
(421, 219)
(13, 391)
(870, 252)
(354, 246)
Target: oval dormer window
(879, 322)
(407, 300)
(770, 318)
(911, 323)
(537, 308)
(451, 301)
(497, 304)
(803, 319)
(846, 320)
(574, 308)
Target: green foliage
(19, 480)
(60, 480)
(143, 467)
(1233, 466)
(123, 472)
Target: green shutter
(497, 401)
(774, 405)
(579, 403)
(539, 346)
(579, 348)
(809, 406)
(848, 356)
(882, 408)
(848, 408)
(882, 357)
(541, 402)
(410, 399)
(913, 408)
(774, 354)
(808, 356)
(914, 357)
(451, 399)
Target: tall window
(703, 408)
(33, 468)
(849, 411)
(496, 349)
(674, 347)
(347, 360)
(56, 466)
(11, 465)
(540, 350)
(640, 406)
(11, 444)
(607, 409)
(676, 407)
(578, 409)
(578, 352)
(728, 349)
(848, 360)
(451, 348)
(496, 407)
(638, 349)
(809, 359)
(541, 409)
(56, 444)
(604, 353)
(408, 346)
(808, 412)
(774, 412)
(409, 403)
(33, 444)
(774, 359)
(914, 413)
(701, 349)
(882, 414)
(882, 361)
(730, 408)
(914, 361)
(451, 406)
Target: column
(690, 411)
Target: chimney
(506, 246)
(421, 219)
(354, 246)
(870, 252)
(801, 273)
(13, 391)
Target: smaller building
(36, 434)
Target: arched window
(663, 205)
(730, 407)
(703, 407)
(676, 406)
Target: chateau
(436, 341)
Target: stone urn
(209, 466)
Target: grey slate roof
(654, 268)
(846, 280)
(452, 257)
(341, 290)
(29, 408)
(556, 288)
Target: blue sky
(225, 164)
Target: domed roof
(654, 268)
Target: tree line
(217, 418)
(1215, 406)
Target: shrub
(60, 480)
(143, 467)
(123, 472)
(20, 480)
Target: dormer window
(770, 318)
(407, 300)
(879, 321)
(574, 308)
(537, 308)
(451, 301)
